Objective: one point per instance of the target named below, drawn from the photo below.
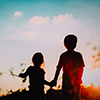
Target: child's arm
(57, 73)
(54, 81)
(58, 68)
(23, 75)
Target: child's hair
(38, 59)
(70, 41)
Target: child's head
(38, 59)
(70, 42)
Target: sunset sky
(28, 26)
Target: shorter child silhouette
(72, 64)
(36, 77)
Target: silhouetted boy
(36, 77)
(72, 64)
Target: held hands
(53, 83)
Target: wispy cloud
(61, 18)
(39, 20)
(56, 20)
(43, 25)
(17, 13)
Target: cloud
(39, 20)
(62, 18)
(67, 18)
(58, 24)
(17, 13)
(42, 26)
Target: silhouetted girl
(36, 77)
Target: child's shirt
(36, 77)
(66, 63)
(71, 61)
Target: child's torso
(36, 78)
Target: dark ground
(90, 93)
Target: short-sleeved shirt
(66, 63)
(71, 61)
(36, 77)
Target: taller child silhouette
(36, 77)
(72, 64)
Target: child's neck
(38, 66)
(71, 50)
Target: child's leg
(77, 92)
(67, 94)
(42, 95)
(67, 87)
(33, 95)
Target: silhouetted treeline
(89, 93)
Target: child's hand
(20, 75)
(53, 83)
(49, 84)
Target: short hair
(70, 41)
(38, 58)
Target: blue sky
(28, 26)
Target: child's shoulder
(42, 70)
(35, 69)
(67, 53)
(63, 53)
(77, 53)
(30, 67)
